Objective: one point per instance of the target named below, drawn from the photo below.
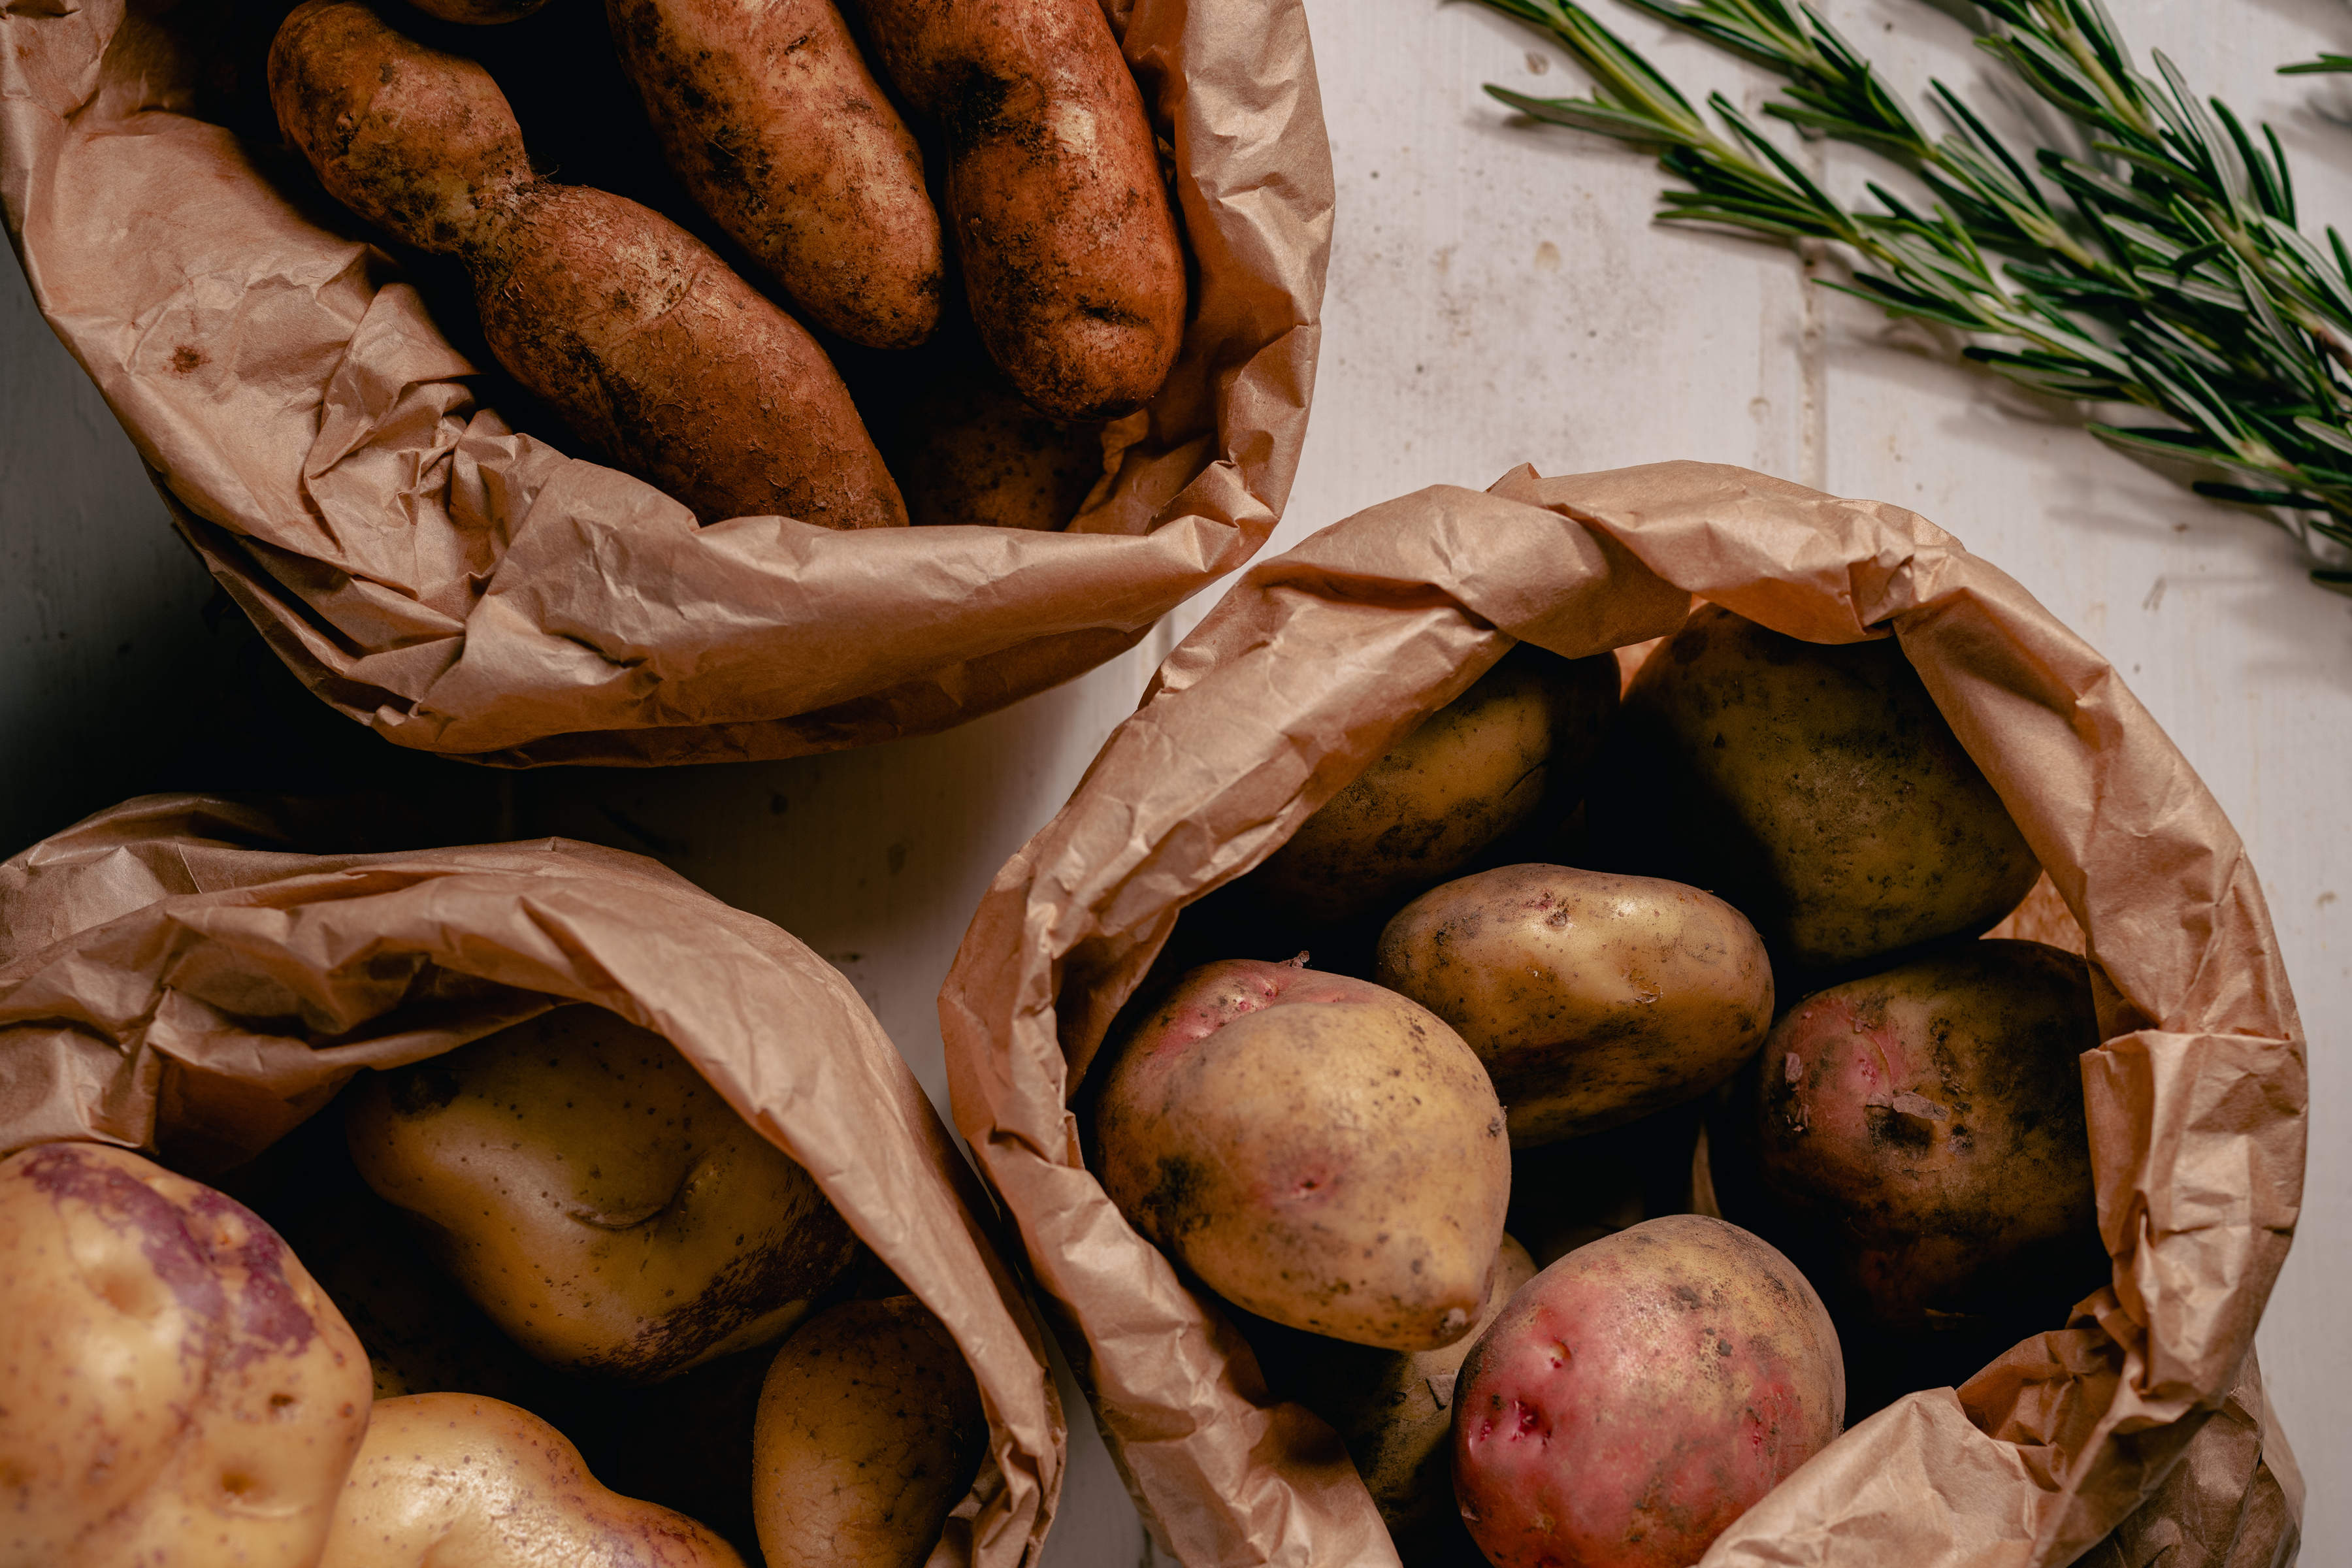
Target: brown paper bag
(176, 975)
(1321, 658)
(466, 589)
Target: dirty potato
(634, 331)
(778, 131)
(1929, 1122)
(457, 1480)
(967, 450)
(1593, 999)
(1639, 1394)
(1473, 771)
(174, 1387)
(1394, 1409)
(1815, 786)
(1277, 1130)
(869, 1433)
(598, 1199)
(1071, 260)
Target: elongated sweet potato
(767, 112)
(1069, 249)
(634, 330)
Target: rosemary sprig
(2162, 267)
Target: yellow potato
(1593, 999)
(456, 1480)
(1395, 1410)
(1815, 786)
(173, 1388)
(1477, 768)
(1320, 1151)
(870, 1431)
(598, 1199)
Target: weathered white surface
(1499, 295)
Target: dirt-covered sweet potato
(1320, 1151)
(596, 1197)
(1641, 1394)
(1594, 999)
(1070, 256)
(457, 1480)
(768, 114)
(174, 1387)
(967, 450)
(1814, 785)
(869, 1433)
(1475, 770)
(479, 13)
(630, 328)
(1928, 1122)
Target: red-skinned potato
(1275, 1130)
(1929, 1121)
(870, 1430)
(174, 1387)
(456, 1480)
(1639, 1394)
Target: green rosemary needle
(2162, 268)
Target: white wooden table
(1499, 295)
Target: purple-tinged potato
(1593, 999)
(1928, 1122)
(457, 1480)
(174, 1387)
(1639, 1394)
(1320, 1151)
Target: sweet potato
(768, 114)
(1276, 1130)
(479, 13)
(870, 1430)
(174, 1387)
(646, 342)
(597, 1198)
(1070, 254)
(1639, 1394)
(456, 1480)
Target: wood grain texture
(1499, 295)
